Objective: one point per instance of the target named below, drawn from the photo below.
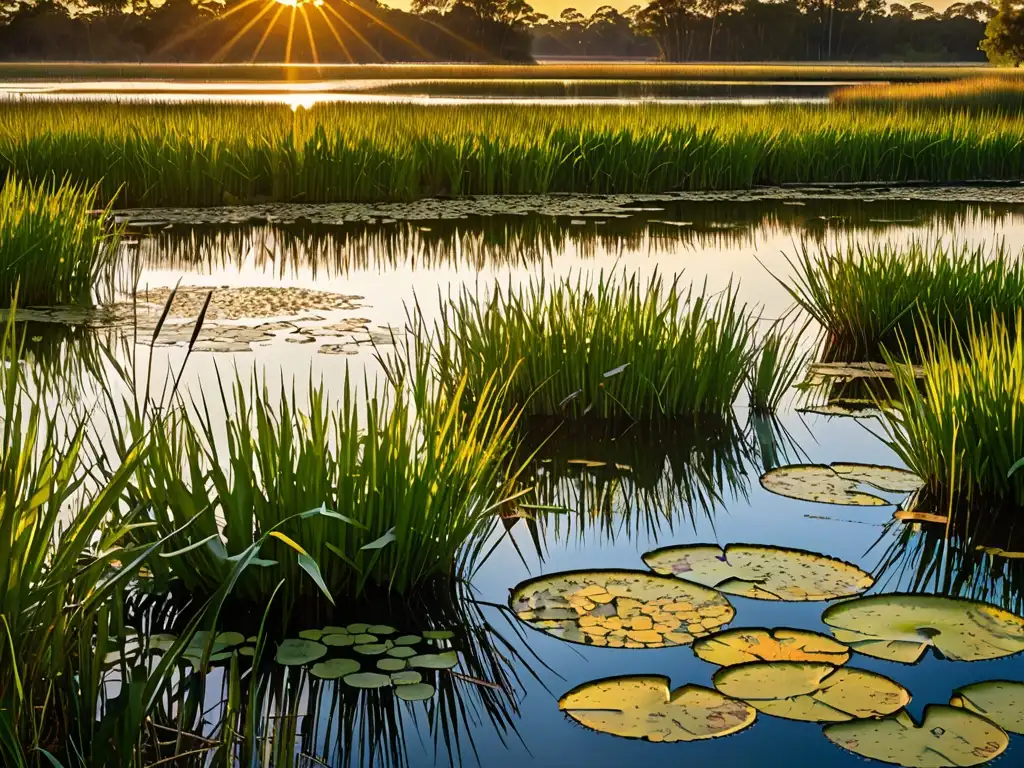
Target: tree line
(334, 31)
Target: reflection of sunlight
(299, 101)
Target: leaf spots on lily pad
(620, 609)
(1001, 701)
(839, 483)
(643, 707)
(332, 669)
(763, 573)
(812, 692)
(742, 646)
(947, 736)
(296, 652)
(898, 627)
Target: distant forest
(338, 31)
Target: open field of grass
(211, 155)
(568, 71)
(995, 93)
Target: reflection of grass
(977, 93)
(53, 249)
(867, 298)
(606, 347)
(212, 154)
(961, 429)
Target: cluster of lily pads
(363, 656)
(788, 673)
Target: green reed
(999, 94)
(961, 427)
(54, 248)
(777, 365)
(870, 297)
(398, 494)
(207, 154)
(611, 347)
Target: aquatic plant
(208, 154)
(611, 347)
(868, 298)
(777, 365)
(960, 426)
(54, 248)
(998, 94)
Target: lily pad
(741, 646)
(406, 677)
(764, 573)
(391, 665)
(228, 639)
(332, 669)
(1001, 701)
(620, 609)
(445, 660)
(357, 629)
(162, 642)
(898, 627)
(367, 680)
(858, 370)
(296, 651)
(947, 736)
(331, 630)
(380, 629)
(415, 691)
(438, 634)
(401, 652)
(370, 649)
(407, 640)
(338, 641)
(839, 483)
(363, 638)
(311, 634)
(642, 707)
(810, 691)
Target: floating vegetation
(839, 483)
(742, 646)
(762, 573)
(54, 248)
(643, 707)
(898, 627)
(248, 302)
(620, 609)
(817, 693)
(946, 736)
(876, 297)
(1001, 701)
(614, 347)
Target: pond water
(629, 491)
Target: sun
(297, 3)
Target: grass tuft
(996, 94)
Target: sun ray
(291, 37)
(242, 32)
(183, 36)
(414, 45)
(309, 34)
(466, 42)
(268, 30)
(355, 32)
(334, 31)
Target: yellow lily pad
(898, 627)
(948, 736)
(764, 573)
(620, 609)
(1001, 701)
(642, 707)
(742, 646)
(810, 691)
(839, 483)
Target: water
(644, 491)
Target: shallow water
(678, 489)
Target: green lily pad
(162, 642)
(371, 649)
(391, 665)
(363, 638)
(620, 609)
(357, 629)
(332, 669)
(330, 630)
(642, 707)
(401, 652)
(1001, 701)
(311, 634)
(406, 677)
(947, 736)
(901, 628)
(415, 691)
(763, 573)
(295, 652)
(247, 651)
(338, 641)
(407, 640)
(810, 691)
(228, 639)
(741, 646)
(438, 634)
(380, 629)
(367, 680)
(839, 483)
(446, 660)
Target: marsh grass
(778, 362)
(602, 346)
(868, 298)
(961, 428)
(996, 94)
(54, 248)
(207, 154)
